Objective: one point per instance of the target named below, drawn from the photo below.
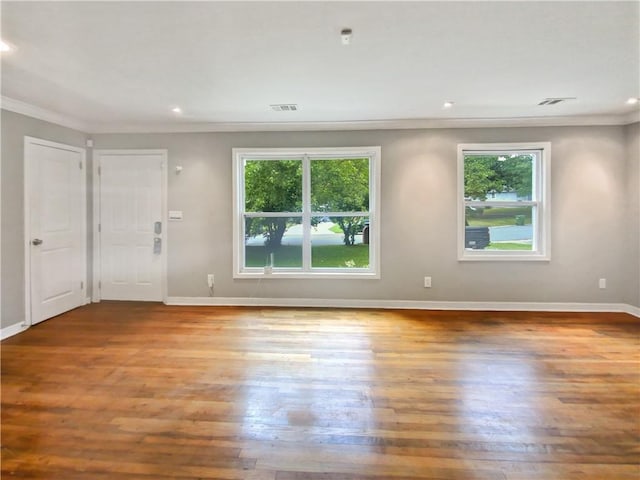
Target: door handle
(36, 241)
(157, 246)
(157, 228)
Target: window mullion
(500, 203)
(239, 213)
(272, 214)
(535, 221)
(306, 214)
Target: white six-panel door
(55, 226)
(132, 230)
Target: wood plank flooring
(123, 390)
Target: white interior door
(55, 223)
(132, 228)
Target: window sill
(307, 275)
(502, 257)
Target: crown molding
(24, 108)
(40, 113)
(632, 117)
(400, 124)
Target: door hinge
(99, 170)
(80, 164)
(81, 285)
(99, 284)
(99, 228)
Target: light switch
(175, 214)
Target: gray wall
(418, 215)
(633, 216)
(14, 127)
(595, 215)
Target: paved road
(515, 232)
(320, 235)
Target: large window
(306, 212)
(503, 201)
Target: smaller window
(503, 201)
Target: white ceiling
(123, 65)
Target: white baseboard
(16, 328)
(12, 330)
(405, 304)
(631, 310)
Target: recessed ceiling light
(447, 105)
(4, 47)
(633, 100)
(176, 110)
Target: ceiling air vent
(284, 107)
(555, 100)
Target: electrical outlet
(210, 280)
(602, 283)
(427, 282)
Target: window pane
(499, 228)
(273, 238)
(340, 185)
(332, 248)
(499, 178)
(273, 185)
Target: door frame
(28, 174)
(97, 190)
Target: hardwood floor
(146, 391)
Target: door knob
(36, 241)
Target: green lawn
(508, 246)
(324, 256)
(498, 217)
(283, 257)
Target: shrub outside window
(306, 212)
(503, 201)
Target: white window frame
(306, 155)
(540, 201)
